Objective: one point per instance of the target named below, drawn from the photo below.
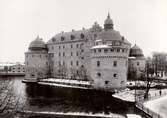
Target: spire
(108, 23)
(108, 16)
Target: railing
(141, 100)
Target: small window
(63, 46)
(115, 75)
(77, 63)
(62, 38)
(99, 74)
(40, 56)
(98, 63)
(95, 35)
(59, 47)
(63, 63)
(82, 36)
(138, 63)
(82, 57)
(118, 50)
(71, 54)
(59, 63)
(63, 54)
(115, 63)
(72, 37)
(99, 50)
(94, 50)
(71, 46)
(82, 50)
(82, 66)
(105, 50)
(112, 50)
(59, 54)
(123, 50)
(106, 82)
(77, 45)
(77, 53)
(71, 63)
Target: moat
(38, 98)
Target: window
(82, 50)
(71, 63)
(99, 50)
(98, 63)
(82, 57)
(82, 66)
(63, 54)
(71, 46)
(77, 63)
(72, 37)
(77, 45)
(105, 50)
(95, 35)
(59, 54)
(99, 74)
(138, 63)
(40, 56)
(82, 36)
(62, 38)
(63, 63)
(106, 82)
(46, 63)
(77, 54)
(59, 47)
(112, 50)
(115, 75)
(71, 54)
(115, 63)
(63, 46)
(123, 50)
(118, 50)
(59, 63)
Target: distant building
(18, 68)
(96, 54)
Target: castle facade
(98, 54)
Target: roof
(37, 43)
(135, 51)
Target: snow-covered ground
(133, 116)
(159, 106)
(67, 81)
(127, 95)
(100, 115)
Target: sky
(143, 22)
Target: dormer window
(62, 38)
(82, 36)
(72, 37)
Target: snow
(126, 95)
(61, 85)
(68, 81)
(159, 106)
(102, 115)
(133, 116)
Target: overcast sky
(140, 21)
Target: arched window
(115, 63)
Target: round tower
(137, 61)
(109, 59)
(36, 60)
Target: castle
(99, 55)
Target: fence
(140, 100)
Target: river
(40, 98)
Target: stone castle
(98, 54)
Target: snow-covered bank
(133, 116)
(127, 95)
(159, 106)
(61, 85)
(68, 83)
(81, 114)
